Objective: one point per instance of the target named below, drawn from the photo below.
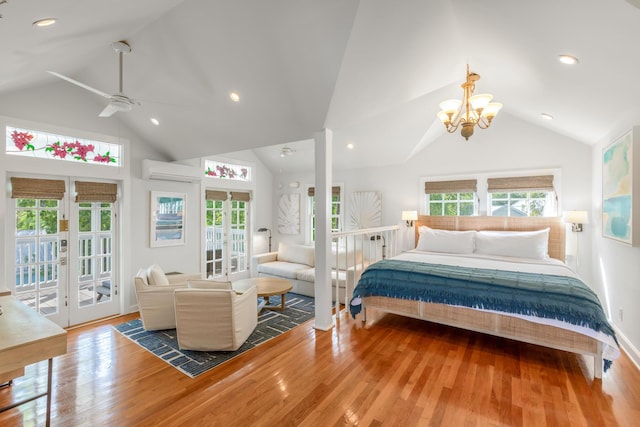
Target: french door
(64, 253)
(227, 233)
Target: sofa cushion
(156, 276)
(287, 270)
(297, 254)
(346, 258)
(309, 275)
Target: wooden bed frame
(494, 323)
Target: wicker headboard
(501, 223)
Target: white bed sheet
(550, 266)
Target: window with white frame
(45, 145)
(522, 196)
(451, 198)
(336, 211)
(225, 170)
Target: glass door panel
(226, 238)
(95, 288)
(238, 259)
(37, 259)
(215, 238)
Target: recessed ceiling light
(155, 121)
(234, 96)
(568, 59)
(350, 146)
(547, 116)
(44, 22)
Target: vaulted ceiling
(373, 71)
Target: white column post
(323, 162)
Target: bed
(503, 276)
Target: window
(336, 211)
(31, 143)
(222, 170)
(451, 198)
(522, 196)
(451, 204)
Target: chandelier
(471, 111)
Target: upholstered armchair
(211, 316)
(154, 291)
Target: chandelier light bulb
(480, 101)
(491, 110)
(450, 105)
(472, 110)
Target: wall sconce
(384, 244)
(409, 216)
(264, 230)
(576, 218)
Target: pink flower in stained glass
(57, 149)
(80, 150)
(104, 159)
(22, 139)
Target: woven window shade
(96, 192)
(240, 196)
(29, 188)
(458, 186)
(520, 183)
(215, 195)
(335, 191)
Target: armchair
(214, 317)
(154, 291)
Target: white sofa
(297, 264)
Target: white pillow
(521, 244)
(297, 254)
(156, 276)
(452, 242)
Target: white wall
(616, 266)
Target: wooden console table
(27, 337)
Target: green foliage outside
(27, 212)
(451, 204)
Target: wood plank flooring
(393, 371)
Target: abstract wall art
(619, 201)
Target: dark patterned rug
(271, 323)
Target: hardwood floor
(393, 371)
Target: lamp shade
(575, 217)
(409, 215)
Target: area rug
(271, 323)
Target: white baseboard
(628, 347)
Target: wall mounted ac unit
(152, 169)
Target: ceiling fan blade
(109, 111)
(82, 85)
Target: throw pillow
(156, 276)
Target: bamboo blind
(457, 186)
(335, 191)
(241, 196)
(96, 192)
(215, 195)
(30, 188)
(520, 183)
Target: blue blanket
(554, 297)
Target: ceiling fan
(286, 151)
(117, 102)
